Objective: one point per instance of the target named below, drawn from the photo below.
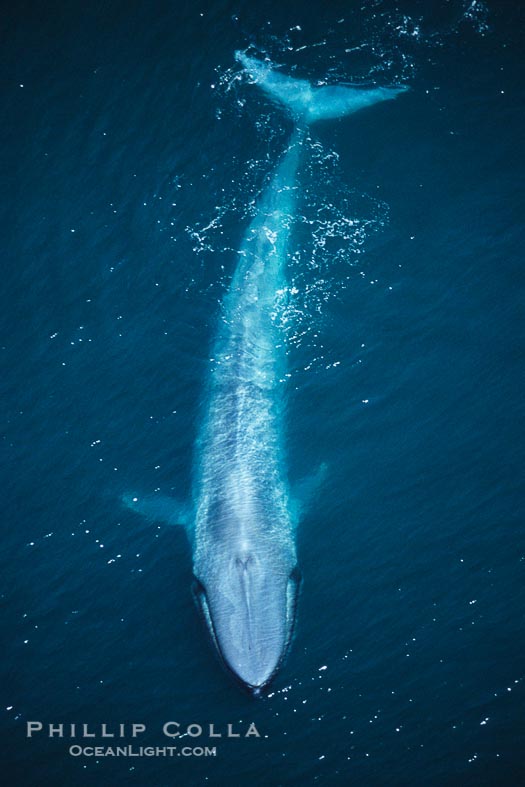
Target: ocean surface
(133, 153)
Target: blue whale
(243, 516)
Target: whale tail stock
(308, 104)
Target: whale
(243, 516)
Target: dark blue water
(132, 156)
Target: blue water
(133, 155)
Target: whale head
(249, 606)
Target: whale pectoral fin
(159, 508)
(305, 490)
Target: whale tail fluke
(308, 104)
